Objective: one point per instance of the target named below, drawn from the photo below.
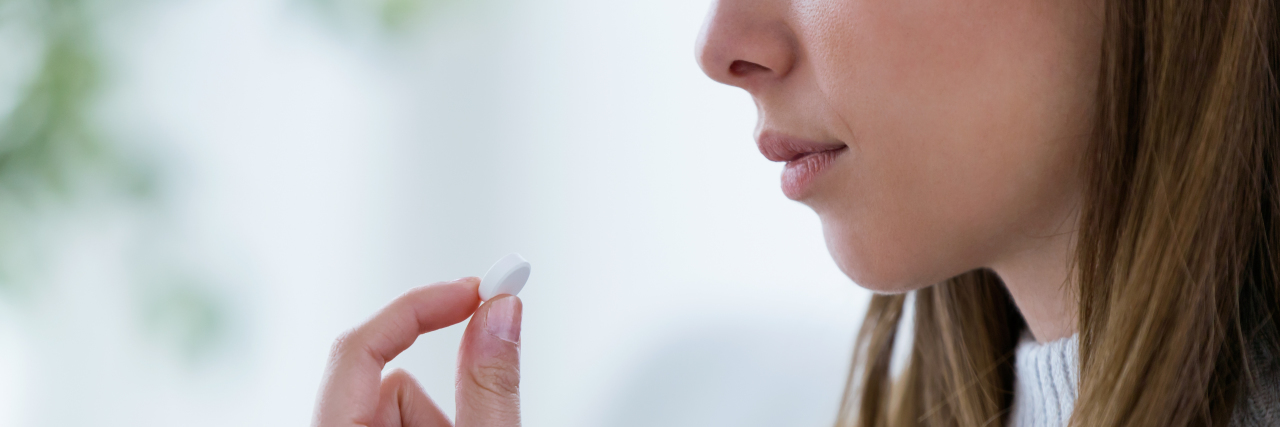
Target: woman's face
(932, 137)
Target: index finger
(349, 391)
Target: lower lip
(799, 175)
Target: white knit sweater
(1045, 388)
(1047, 375)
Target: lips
(806, 160)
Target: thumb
(489, 366)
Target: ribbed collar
(1047, 377)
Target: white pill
(507, 276)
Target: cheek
(966, 120)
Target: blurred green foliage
(391, 16)
(54, 155)
(51, 149)
(184, 314)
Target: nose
(747, 43)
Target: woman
(1076, 200)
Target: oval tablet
(507, 276)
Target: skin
(355, 393)
(966, 121)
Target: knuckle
(342, 344)
(415, 292)
(496, 378)
(398, 376)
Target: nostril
(742, 68)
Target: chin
(885, 268)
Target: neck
(1040, 280)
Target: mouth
(805, 160)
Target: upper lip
(782, 148)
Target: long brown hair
(1176, 263)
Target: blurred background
(198, 196)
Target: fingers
(403, 403)
(489, 366)
(349, 391)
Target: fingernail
(503, 320)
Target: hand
(354, 392)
